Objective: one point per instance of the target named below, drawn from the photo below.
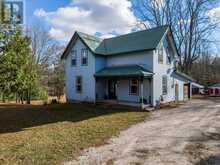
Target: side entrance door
(112, 89)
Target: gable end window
(160, 54)
(168, 52)
(73, 57)
(84, 58)
(133, 86)
(164, 85)
(78, 84)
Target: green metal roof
(141, 40)
(91, 41)
(136, 41)
(185, 76)
(124, 71)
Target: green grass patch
(53, 134)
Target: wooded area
(30, 65)
(193, 26)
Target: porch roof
(124, 71)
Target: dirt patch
(200, 154)
(145, 153)
(196, 152)
(211, 160)
(110, 162)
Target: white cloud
(214, 14)
(104, 16)
(57, 32)
(39, 13)
(108, 35)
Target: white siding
(160, 70)
(86, 72)
(92, 89)
(141, 58)
(123, 91)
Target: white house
(137, 68)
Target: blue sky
(48, 5)
(63, 17)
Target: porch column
(142, 93)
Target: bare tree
(190, 21)
(52, 68)
(40, 42)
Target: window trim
(160, 55)
(73, 57)
(76, 84)
(87, 52)
(164, 90)
(168, 53)
(130, 85)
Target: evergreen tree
(17, 73)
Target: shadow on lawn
(14, 118)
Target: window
(168, 51)
(74, 55)
(84, 53)
(164, 85)
(79, 84)
(134, 86)
(160, 54)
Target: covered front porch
(128, 85)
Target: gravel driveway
(186, 135)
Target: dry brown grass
(53, 134)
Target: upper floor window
(134, 86)
(164, 85)
(78, 84)
(73, 57)
(160, 54)
(84, 58)
(168, 51)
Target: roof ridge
(89, 35)
(122, 34)
(154, 28)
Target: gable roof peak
(143, 40)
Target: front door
(112, 89)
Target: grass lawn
(54, 134)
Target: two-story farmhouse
(136, 68)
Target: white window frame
(168, 54)
(73, 58)
(131, 84)
(78, 84)
(164, 85)
(160, 54)
(84, 55)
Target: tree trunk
(29, 95)
(16, 97)
(3, 97)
